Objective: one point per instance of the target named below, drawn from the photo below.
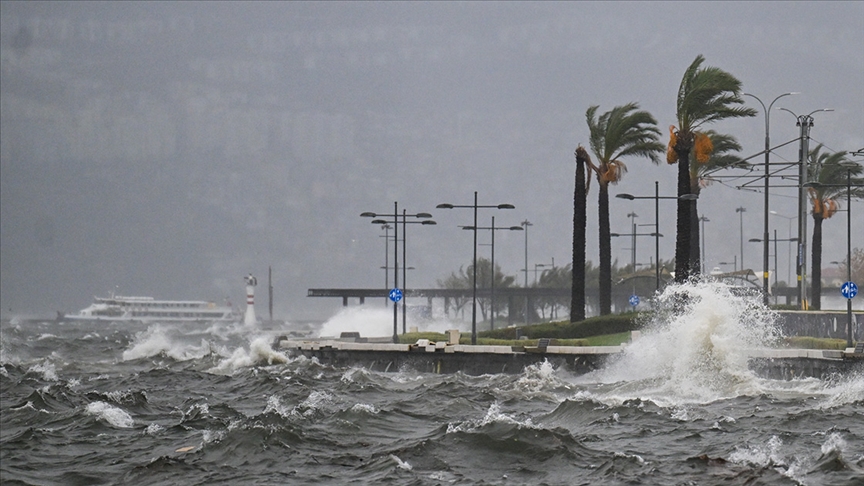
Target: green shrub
(594, 326)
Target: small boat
(118, 308)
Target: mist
(169, 149)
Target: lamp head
(444, 206)
(506, 206)
(367, 215)
(423, 215)
(379, 221)
(625, 196)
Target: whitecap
(47, 369)
(111, 414)
(153, 429)
(364, 408)
(400, 463)
(260, 352)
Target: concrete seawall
(478, 360)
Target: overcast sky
(169, 149)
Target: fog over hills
(169, 149)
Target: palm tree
(705, 95)
(700, 176)
(580, 221)
(830, 172)
(623, 131)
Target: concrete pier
(441, 357)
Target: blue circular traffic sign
(849, 290)
(395, 295)
(634, 300)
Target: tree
(459, 280)
(706, 95)
(554, 278)
(462, 280)
(700, 177)
(857, 265)
(580, 221)
(830, 172)
(624, 131)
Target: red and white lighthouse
(249, 317)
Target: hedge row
(593, 326)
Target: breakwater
(443, 357)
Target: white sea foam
(369, 321)
(153, 429)
(364, 408)
(111, 414)
(47, 369)
(260, 352)
(400, 463)
(493, 415)
(158, 339)
(373, 321)
(694, 351)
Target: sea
(168, 404)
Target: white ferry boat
(147, 309)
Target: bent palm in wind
(706, 95)
(621, 132)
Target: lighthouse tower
(249, 317)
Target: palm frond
(622, 132)
(707, 95)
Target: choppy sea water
(165, 404)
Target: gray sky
(169, 149)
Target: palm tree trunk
(605, 279)
(816, 288)
(683, 262)
(580, 221)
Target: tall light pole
(386, 227)
(657, 197)
(396, 294)
(767, 112)
(775, 240)
(526, 224)
(789, 253)
(492, 286)
(474, 206)
(633, 217)
(741, 210)
(848, 186)
(805, 123)
(703, 220)
(405, 266)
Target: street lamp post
(741, 210)
(394, 292)
(656, 197)
(775, 240)
(493, 228)
(474, 206)
(405, 258)
(526, 224)
(767, 112)
(789, 253)
(386, 227)
(805, 123)
(703, 220)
